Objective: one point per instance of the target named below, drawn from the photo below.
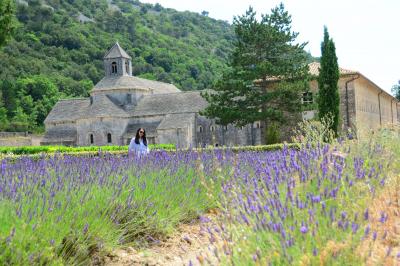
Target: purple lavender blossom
(354, 227)
(374, 235)
(303, 229)
(366, 214)
(366, 231)
(383, 218)
(315, 251)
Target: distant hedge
(64, 149)
(270, 147)
(92, 151)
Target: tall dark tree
(265, 52)
(3, 117)
(7, 21)
(396, 90)
(328, 100)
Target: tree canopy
(396, 90)
(267, 71)
(328, 100)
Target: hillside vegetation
(58, 48)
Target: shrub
(273, 135)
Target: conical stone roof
(116, 52)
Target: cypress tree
(328, 100)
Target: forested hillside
(57, 50)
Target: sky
(366, 32)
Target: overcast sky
(366, 32)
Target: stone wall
(178, 136)
(374, 107)
(210, 133)
(19, 139)
(16, 142)
(100, 128)
(347, 106)
(4, 135)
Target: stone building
(121, 103)
(363, 104)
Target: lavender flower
(366, 214)
(303, 229)
(315, 251)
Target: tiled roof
(68, 110)
(176, 121)
(314, 71)
(103, 107)
(116, 52)
(74, 109)
(131, 82)
(170, 103)
(315, 66)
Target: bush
(313, 131)
(273, 135)
(65, 149)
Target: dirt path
(190, 245)
(382, 243)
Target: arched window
(109, 140)
(212, 128)
(127, 67)
(258, 125)
(200, 129)
(91, 138)
(114, 67)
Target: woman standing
(138, 144)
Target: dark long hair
(137, 138)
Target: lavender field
(318, 205)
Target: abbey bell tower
(117, 62)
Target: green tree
(20, 121)
(265, 52)
(37, 95)
(396, 90)
(7, 21)
(9, 96)
(37, 87)
(3, 117)
(328, 100)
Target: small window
(212, 128)
(307, 98)
(258, 125)
(114, 67)
(91, 139)
(226, 128)
(109, 140)
(200, 129)
(127, 67)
